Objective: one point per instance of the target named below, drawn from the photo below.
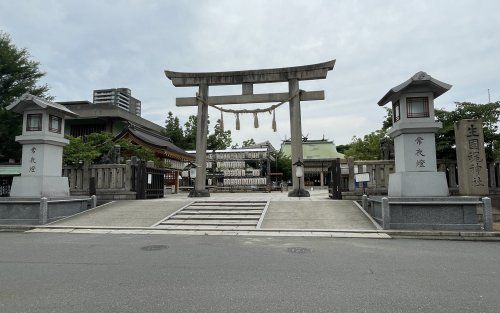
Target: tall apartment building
(120, 97)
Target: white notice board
(362, 177)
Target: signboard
(362, 177)
(150, 179)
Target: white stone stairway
(216, 215)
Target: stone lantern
(42, 139)
(413, 132)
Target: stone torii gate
(292, 75)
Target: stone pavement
(136, 213)
(317, 216)
(329, 214)
(317, 212)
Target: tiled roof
(315, 150)
(153, 139)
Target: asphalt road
(168, 273)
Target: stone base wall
(30, 212)
(108, 195)
(431, 213)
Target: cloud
(102, 44)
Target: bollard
(386, 214)
(93, 201)
(487, 214)
(364, 202)
(44, 211)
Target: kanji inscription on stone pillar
(471, 158)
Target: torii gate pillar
(200, 189)
(296, 140)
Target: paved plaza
(317, 212)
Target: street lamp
(299, 172)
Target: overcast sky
(87, 45)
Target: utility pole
(489, 99)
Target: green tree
(283, 164)
(445, 137)
(248, 143)
(387, 123)
(190, 133)
(173, 130)
(366, 148)
(220, 139)
(19, 74)
(342, 148)
(92, 147)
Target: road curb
(334, 233)
(16, 228)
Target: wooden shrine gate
(335, 183)
(247, 79)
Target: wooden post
(200, 189)
(176, 181)
(497, 171)
(296, 139)
(268, 168)
(452, 183)
(350, 165)
(491, 172)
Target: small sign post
(362, 178)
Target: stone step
(195, 208)
(231, 201)
(260, 205)
(228, 212)
(205, 227)
(210, 222)
(214, 217)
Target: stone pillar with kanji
(471, 158)
(42, 141)
(413, 132)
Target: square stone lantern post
(413, 132)
(42, 141)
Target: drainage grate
(298, 250)
(154, 247)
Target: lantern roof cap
(27, 100)
(422, 82)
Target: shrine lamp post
(191, 169)
(413, 131)
(299, 172)
(42, 141)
